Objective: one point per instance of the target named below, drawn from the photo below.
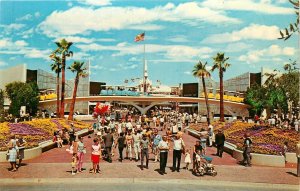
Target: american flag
(140, 37)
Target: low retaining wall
(257, 159)
(28, 154)
(43, 147)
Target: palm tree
(201, 72)
(56, 67)
(63, 49)
(220, 63)
(80, 72)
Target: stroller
(204, 166)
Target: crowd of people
(282, 122)
(140, 136)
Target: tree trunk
(57, 94)
(221, 96)
(74, 97)
(63, 82)
(206, 100)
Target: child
(187, 159)
(74, 162)
(284, 150)
(198, 158)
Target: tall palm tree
(56, 67)
(220, 63)
(80, 72)
(63, 47)
(201, 72)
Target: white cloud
(178, 38)
(147, 27)
(80, 56)
(95, 2)
(254, 32)
(37, 14)
(270, 53)
(29, 17)
(7, 43)
(2, 63)
(79, 20)
(8, 29)
(20, 47)
(237, 47)
(173, 53)
(21, 43)
(128, 66)
(264, 6)
(75, 39)
(36, 53)
(27, 34)
(105, 40)
(96, 67)
(187, 72)
(133, 59)
(25, 18)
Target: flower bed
(266, 140)
(36, 131)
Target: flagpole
(144, 72)
(144, 77)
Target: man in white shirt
(154, 120)
(162, 122)
(177, 151)
(137, 137)
(163, 146)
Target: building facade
(46, 80)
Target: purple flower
(24, 129)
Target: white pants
(210, 138)
(137, 150)
(129, 150)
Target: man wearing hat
(247, 150)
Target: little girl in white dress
(187, 159)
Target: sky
(177, 35)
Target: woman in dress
(12, 152)
(80, 154)
(21, 143)
(96, 152)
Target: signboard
(190, 90)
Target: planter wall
(257, 159)
(44, 146)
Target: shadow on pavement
(292, 173)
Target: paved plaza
(54, 165)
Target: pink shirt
(96, 149)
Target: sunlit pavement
(56, 163)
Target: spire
(146, 69)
